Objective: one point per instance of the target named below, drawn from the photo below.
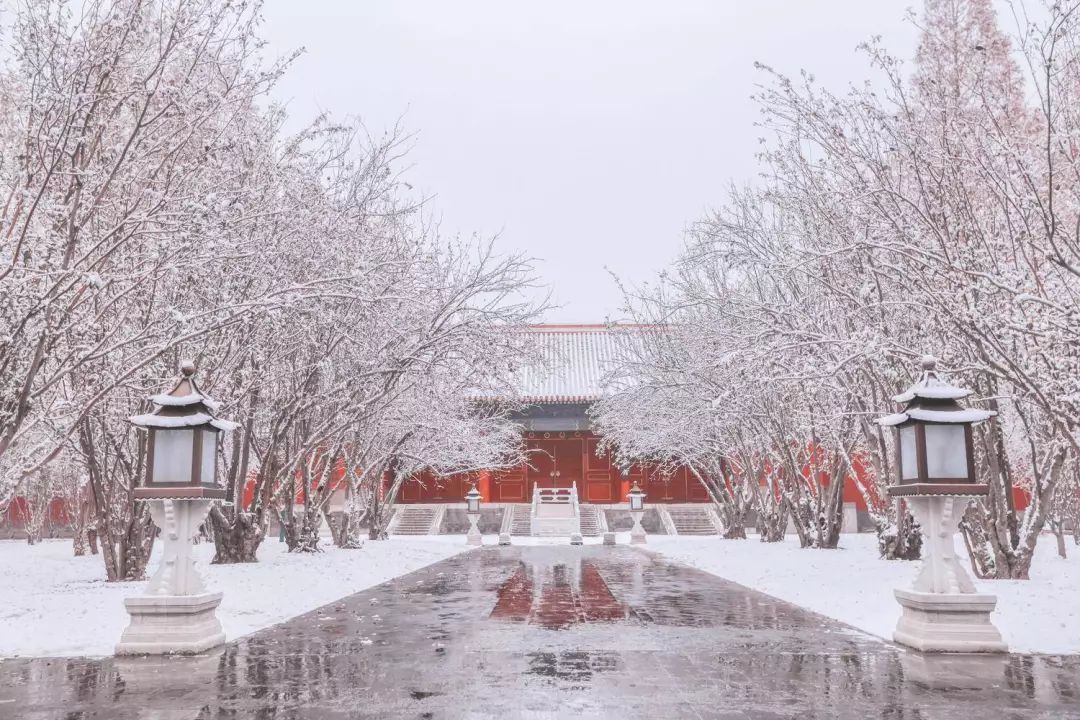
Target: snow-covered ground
(54, 604)
(851, 584)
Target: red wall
(573, 457)
(558, 459)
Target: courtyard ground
(53, 604)
(853, 585)
(549, 632)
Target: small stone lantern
(472, 510)
(177, 614)
(636, 498)
(936, 478)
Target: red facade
(558, 459)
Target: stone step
(414, 521)
(590, 520)
(521, 524)
(692, 521)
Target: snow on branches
(936, 211)
(153, 209)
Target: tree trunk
(126, 551)
(236, 534)
(735, 531)
(900, 540)
(302, 533)
(78, 544)
(1057, 526)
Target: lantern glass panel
(909, 463)
(172, 456)
(209, 455)
(946, 451)
(635, 501)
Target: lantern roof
(185, 406)
(933, 399)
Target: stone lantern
(936, 478)
(472, 504)
(177, 614)
(636, 498)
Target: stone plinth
(473, 537)
(171, 624)
(609, 538)
(947, 622)
(637, 533)
(947, 671)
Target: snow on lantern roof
(930, 385)
(572, 361)
(183, 406)
(932, 399)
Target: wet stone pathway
(549, 632)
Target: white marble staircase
(592, 524)
(555, 512)
(690, 519)
(520, 520)
(416, 520)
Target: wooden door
(570, 463)
(601, 481)
(508, 486)
(541, 471)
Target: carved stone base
(637, 533)
(473, 537)
(947, 671)
(576, 539)
(171, 624)
(504, 538)
(609, 538)
(948, 622)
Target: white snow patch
(182, 421)
(165, 399)
(54, 604)
(853, 585)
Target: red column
(484, 486)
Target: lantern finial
(928, 362)
(187, 368)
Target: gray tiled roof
(571, 362)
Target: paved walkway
(549, 632)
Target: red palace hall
(562, 449)
(563, 452)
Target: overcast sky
(586, 133)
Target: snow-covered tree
(153, 209)
(935, 211)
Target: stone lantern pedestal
(473, 537)
(176, 615)
(943, 612)
(637, 533)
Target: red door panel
(509, 487)
(569, 462)
(541, 472)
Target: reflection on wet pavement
(549, 632)
(557, 596)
